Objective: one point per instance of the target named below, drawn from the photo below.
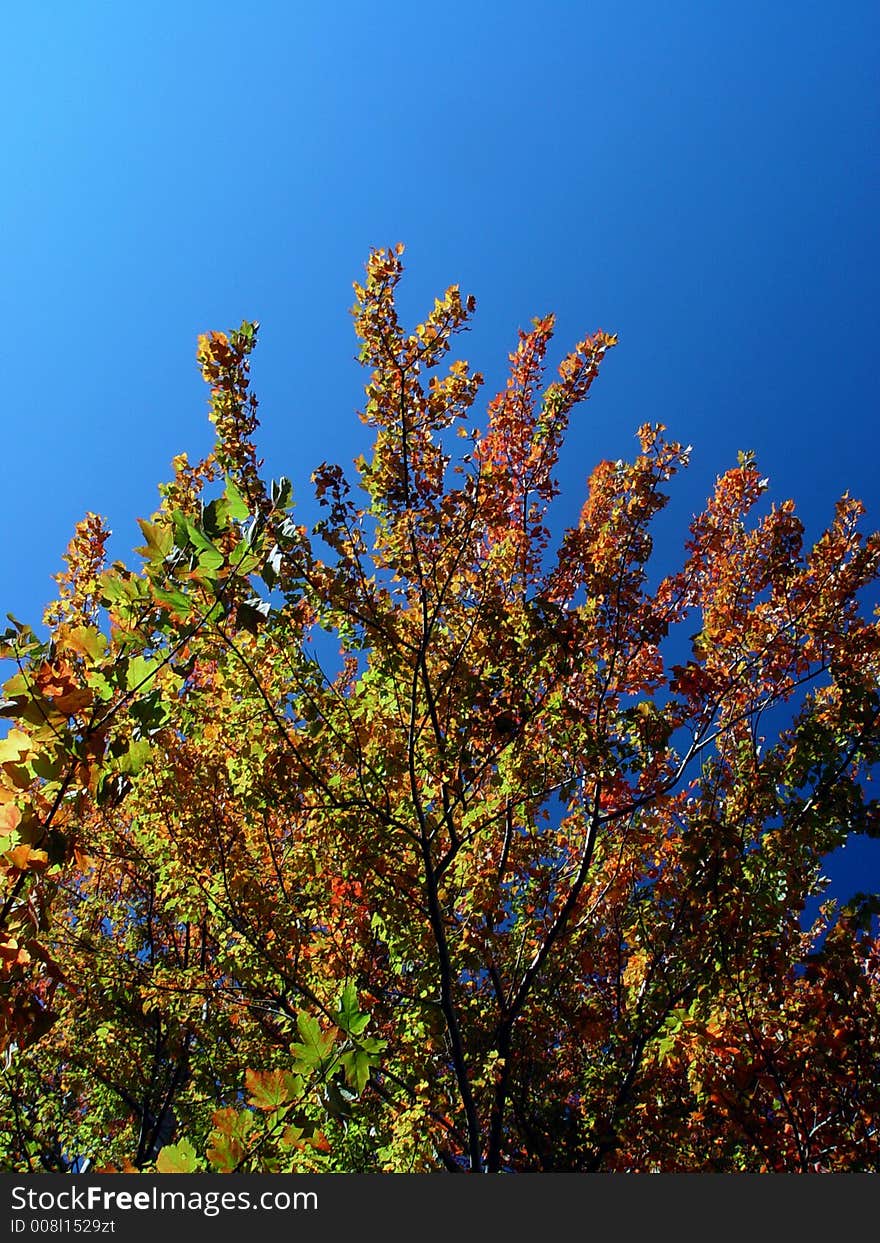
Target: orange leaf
(26, 859)
(10, 817)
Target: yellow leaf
(26, 859)
(14, 746)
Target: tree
(516, 882)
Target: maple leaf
(227, 1142)
(272, 1089)
(177, 1158)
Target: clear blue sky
(700, 178)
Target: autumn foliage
(415, 843)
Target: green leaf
(134, 759)
(243, 560)
(350, 1018)
(150, 711)
(357, 1063)
(236, 504)
(176, 601)
(209, 557)
(215, 517)
(177, 1159)
(316, 1045)
(208, 563)
(140, 669)
(112, 588)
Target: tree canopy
(416, 842)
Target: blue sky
(702, 179)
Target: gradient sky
(700, 178)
